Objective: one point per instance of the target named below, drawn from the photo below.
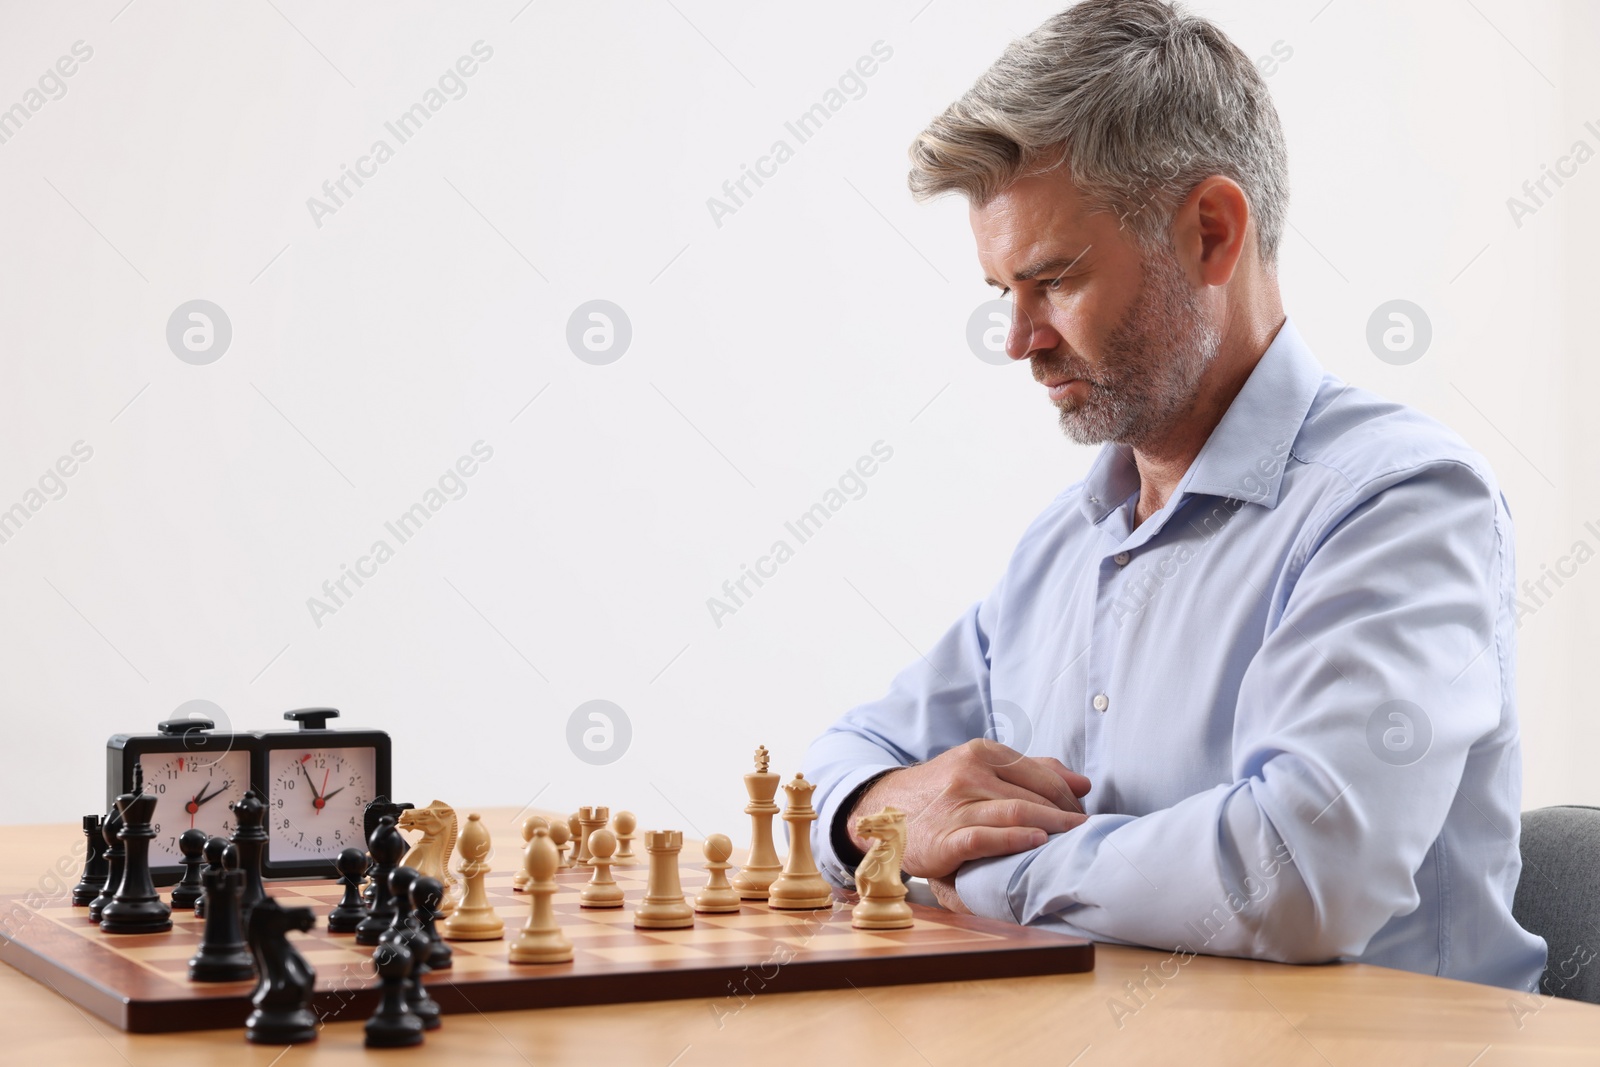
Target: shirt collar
(1245, 456)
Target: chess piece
(663, 907)
(519, 881)
(430, 857)
(371, 816)
(625, 825)
(346, 915)
(575, 834)
(93, 880)
(394, 1024)
(282, 999)
(404, 930)
(475, 918)
(602, 890)
(590, 819)
(386, 846)
(136, 908)
(426, 893)
(191, 843)
(718, 897)
(213, 857)
(883, 891)
(800, 886)
(540, 940)
(250, 838)
(559, 836)
(762, 868)
(223, 955)
(109, 826)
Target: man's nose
(1028, 334)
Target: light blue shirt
(1292, 688)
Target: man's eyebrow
(1059, 264)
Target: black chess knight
(282, 998)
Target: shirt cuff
(984, 886)
(831, 821)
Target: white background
(768, 354)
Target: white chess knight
(883, 892)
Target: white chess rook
(663, 907)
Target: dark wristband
(844, 848)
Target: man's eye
(1055, 284)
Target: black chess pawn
(136, 908)
(426, 895)
(250, 838)
(387, 845)
(282, 999)
(348, 913)
(394, 1024)
(108, 833)
(405, 930)
(189, 889)
(223, 955)
(213, 857)
(94, 866)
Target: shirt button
(1121, 559)
(1101, 702)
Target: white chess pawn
(559, 836)
(624, 825)
(718, 896)
(601, 891)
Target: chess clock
(317, 783)
(194, 772)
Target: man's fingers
(981, 842)
(1024, 813)
(1033, 775)
(1075, 781)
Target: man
(1274, 624)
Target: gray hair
(1140, 100)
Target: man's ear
(1211, 230)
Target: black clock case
(123, 751)
(272, 740)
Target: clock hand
(336, 792)
(315, 796)
(203, 797)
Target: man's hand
(944, 889)
(978, 800)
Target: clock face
(317, 797)
(192, 791)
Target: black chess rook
(93, 880)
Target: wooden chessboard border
(92, 971)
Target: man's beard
(1149, 368)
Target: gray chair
(1558, 897)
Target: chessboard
(138, 982)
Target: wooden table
(1213, 1011)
